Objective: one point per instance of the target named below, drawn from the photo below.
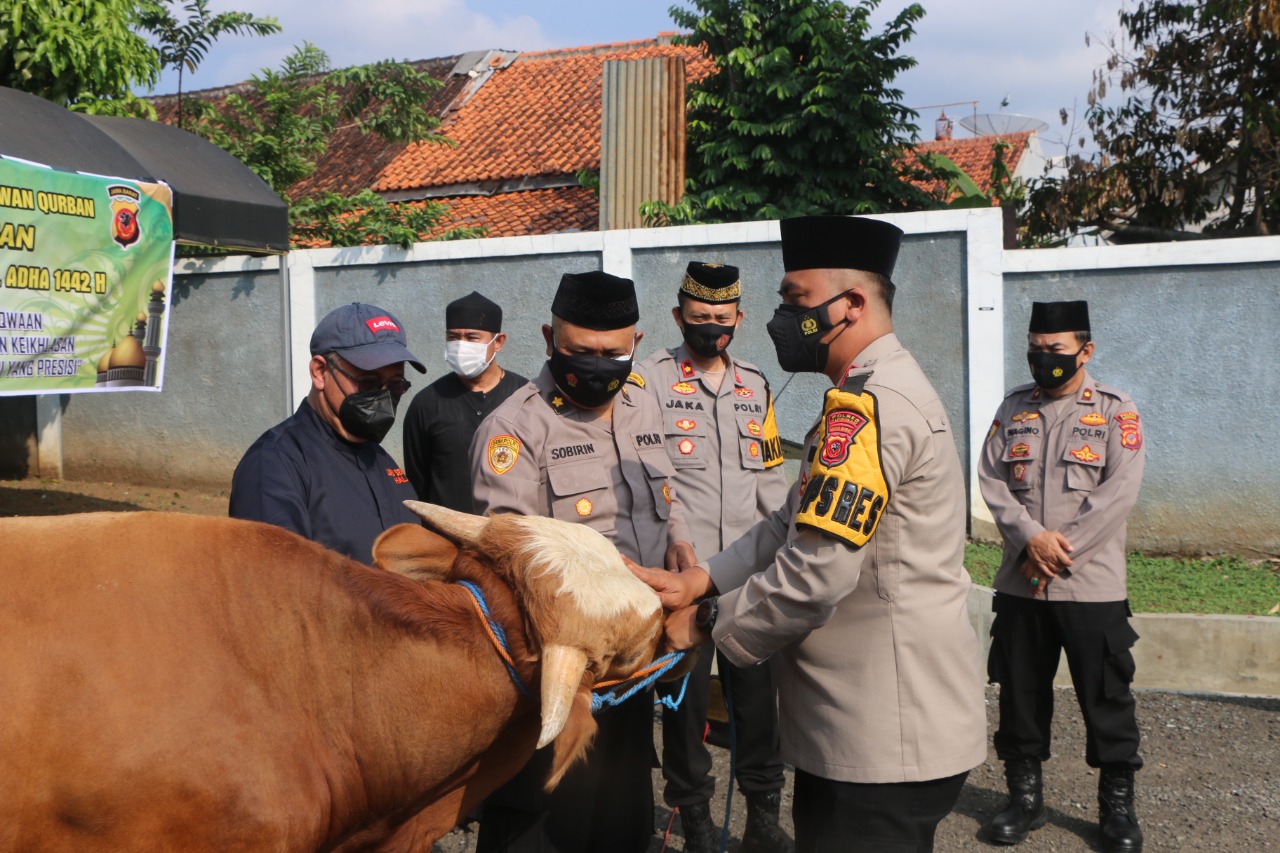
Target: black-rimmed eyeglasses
(372, 384)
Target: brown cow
(179, 683)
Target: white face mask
(467, 359)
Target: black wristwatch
(705, 616)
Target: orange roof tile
(525, 213)
(538, 116)
(975, 156)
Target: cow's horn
(458, 526)
(562, 669)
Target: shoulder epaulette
(556, 401)
(1110, 392)
(856, 383)
(1018, 389)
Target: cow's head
(592, 618)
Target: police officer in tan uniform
(723, 441)
(583, 443)
(1060, 470)
(856, 588)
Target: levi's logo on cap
(382, 324)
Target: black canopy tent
(218, 201)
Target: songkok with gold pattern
(713, 283)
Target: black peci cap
(1048, 318)
(840, 242)
(473, 311)
(596, 300)
(713, 283)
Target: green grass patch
(1226, 585)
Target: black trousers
(686, 763)
(603, 803)
(1027, 640)
(849, 817)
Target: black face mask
(369, 414)
(588, 380)
(1053, 369)
(707, 339)
(797, 333)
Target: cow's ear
(415, 552)
(572, 742)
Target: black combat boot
(699, 832)
(763, 834)
(1025, 811)
(1116, 818)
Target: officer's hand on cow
(680, 557)
(677, 590)
(682, 631)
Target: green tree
(801, 116)
(184, 44)
(281, 126)
(1196, 139)
(83, 54)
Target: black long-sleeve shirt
(438, 428)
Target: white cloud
(359, 32)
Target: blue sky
(1031, 51)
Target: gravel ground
(1211, 782)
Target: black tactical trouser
(1027, 640)
(686, 763)
(604, 802)
(892, 817)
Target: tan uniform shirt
(722, 440)
(1073, 465)
(858, 587)
(538, 454)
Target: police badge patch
(503, 452)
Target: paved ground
(1211, 782)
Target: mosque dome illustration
(134, 360)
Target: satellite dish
(1001, 124)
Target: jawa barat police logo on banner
(125, 228)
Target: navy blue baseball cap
(364, 335)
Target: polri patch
(503, 452)
(686, 424)
(583, 507)
(1020, 449)
(684, 388)
(1026, 416)
(744, 393)
(846, 494)
(685, 446)
(1020, 471)
(753, 427)
(1093, 419)
(636, 379)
